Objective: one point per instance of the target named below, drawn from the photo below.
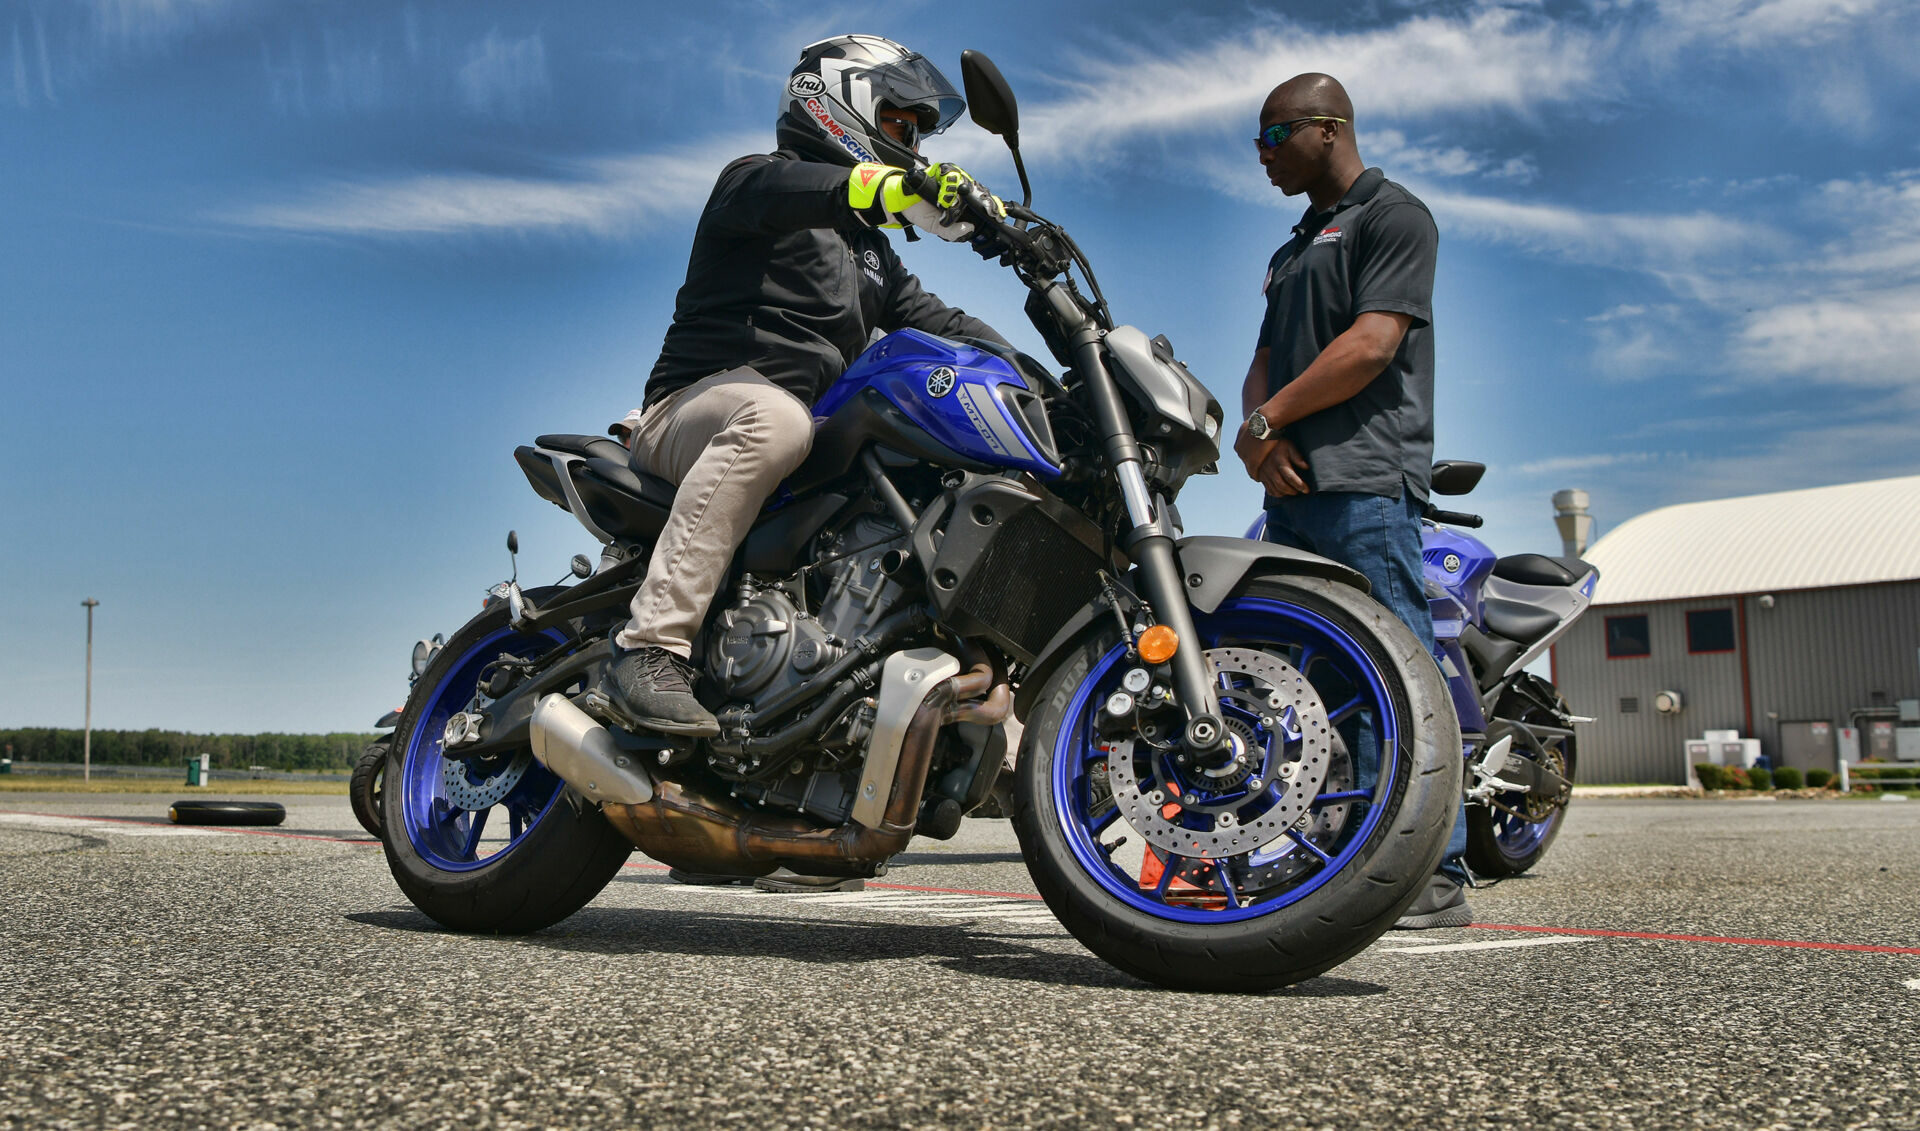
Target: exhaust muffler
(583, 753)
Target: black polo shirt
(1372, 251)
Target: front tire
(559, 851)
(365, 789)
(1288, 909)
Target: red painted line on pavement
(1651, 936)
(1659, 937)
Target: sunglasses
(1276, 135)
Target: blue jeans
(1380, 537)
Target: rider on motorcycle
(789, 277)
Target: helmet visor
(915, 85)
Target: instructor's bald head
(1307, 96)
(1316, 153)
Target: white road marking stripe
(993, 913)
(892, 898)
(1498, 944)
(1912, 983)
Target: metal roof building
(1789, 617)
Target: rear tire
(1322, 919)
(1499, 846)
(561, 850)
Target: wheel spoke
(515, 823)
(1340, 713)
(1303, 842)
(1104, 821)
(1168, 867)
(1337, 798)
(471, 849)
(1226, 885)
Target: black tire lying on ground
(364, 789)
(226, 813)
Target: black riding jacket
(784, 277)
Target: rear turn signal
(1158, 644)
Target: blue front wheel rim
(1328, 654)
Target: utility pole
(86, 741)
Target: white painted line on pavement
(1912, 983)
(1498, 944)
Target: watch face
(1257, 426)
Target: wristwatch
(1257, 425)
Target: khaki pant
(727, 441)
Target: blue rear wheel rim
(442, 833)
(1332, 659)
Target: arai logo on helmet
(940, 381)
(807, 86)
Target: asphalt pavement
(1673, 963)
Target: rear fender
(1214, 568)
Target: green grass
(39, 783)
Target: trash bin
(199, 769)
(6, 765)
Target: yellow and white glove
(878, 194)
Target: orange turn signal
(1158, 644)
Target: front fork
(1150, 540)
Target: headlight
(1212, 426)
(423, 651)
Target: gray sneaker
(653, 688)
(1443, 904)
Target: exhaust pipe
(685, 828)
(567, 741)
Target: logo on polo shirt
(1331, 235)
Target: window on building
(1627, 637)
(1710, 630)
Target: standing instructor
(1339, 398)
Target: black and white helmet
(830, 108)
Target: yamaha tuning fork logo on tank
(940, 381)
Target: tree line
(173, 748)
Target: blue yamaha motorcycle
(1237, 769)
(1493, 616)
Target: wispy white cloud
(505, 77)
(609, 197)
(1419, 69)
(1560, 464)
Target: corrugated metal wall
(1820, 653)
(1644, 745)
(1817, 654)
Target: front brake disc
(1205, 814)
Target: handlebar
(1452, 518)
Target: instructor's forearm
(1348, 364)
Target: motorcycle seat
(1514, 620)
(577, 445)
(1538, 569)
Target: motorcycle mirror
(513, 542)
(990, 103)
(1456, 476)
(581, 567)
(989, 98)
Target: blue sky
(282, 284)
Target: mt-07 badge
(940, 381)
(807, 86)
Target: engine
(777, 636)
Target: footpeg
(585, 756)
